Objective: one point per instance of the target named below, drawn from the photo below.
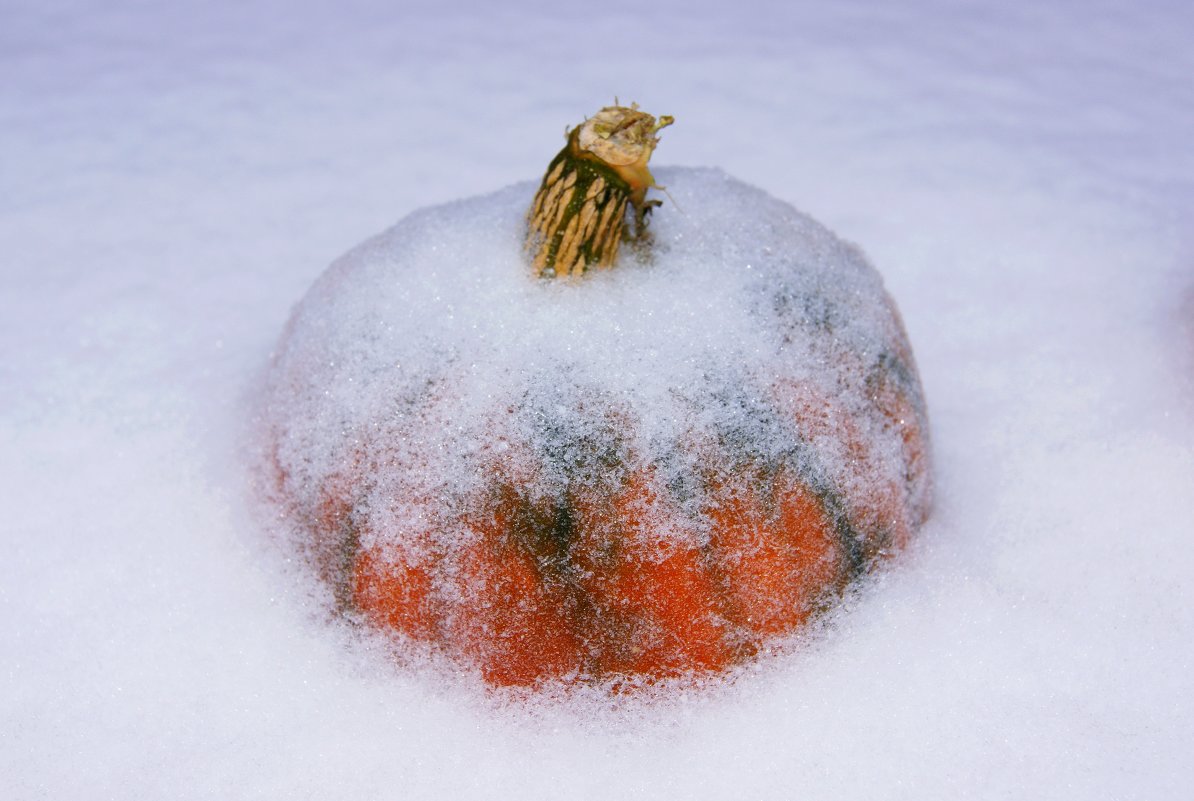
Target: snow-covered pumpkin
(489, 444)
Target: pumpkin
(489, 444)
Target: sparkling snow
(176, 177)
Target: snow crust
(176, 177)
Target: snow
(177, 177)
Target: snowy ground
(175, 176)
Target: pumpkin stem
(577, 218)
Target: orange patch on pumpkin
(777, 552)
(510, 619)
(657, 606)
(395, 595)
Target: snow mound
(685, 456)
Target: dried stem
(578, 216)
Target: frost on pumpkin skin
(655, 472)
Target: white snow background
(174, 176)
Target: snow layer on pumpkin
(427, 363)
